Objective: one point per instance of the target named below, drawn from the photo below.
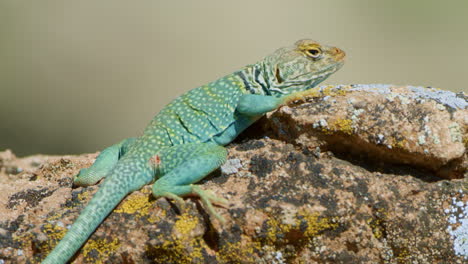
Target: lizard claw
(181, 204)
(208, 198)
(301, 96)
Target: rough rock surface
(355, 174)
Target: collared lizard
(184, 142)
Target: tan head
(301, 66)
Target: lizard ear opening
(279, 80)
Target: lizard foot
(181, 204)
(208, 198)
(301, 96)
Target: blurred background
(77, 76)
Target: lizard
(185, 141)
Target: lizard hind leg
(104, 163)
(186, 164)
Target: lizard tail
(109, 195)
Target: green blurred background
(77, 76)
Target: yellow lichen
(275, 228)
(103, 248)
(175, 249)
(185, 247)
(402, 255)
(185, 224)
(315, 224)
(341, 92)
(135, 204)
(25, 240)
(175, 252)
(332, 90)
(55, 216)
(238, 252)
(146, 190)
(55, 233)
(400, 143)
(153, 219)
(83, 196)
(377, 223)
(341, 125)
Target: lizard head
(301, 66)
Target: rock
(415, 126)
(373, 195)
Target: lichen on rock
(353, 174)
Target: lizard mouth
(307, 80)
(314, 78)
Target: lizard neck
(254, 78)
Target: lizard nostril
(339, 54)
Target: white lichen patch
(455, 132)
(231, 166)
(320, 124)
(422, 94)
(436, 139)
(356, 114)
(458, 225)
(422, 140)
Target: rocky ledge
(350, 174)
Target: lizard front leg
(257, 105)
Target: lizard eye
(314, 52)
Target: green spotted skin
(184, 142)
(201, 114)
